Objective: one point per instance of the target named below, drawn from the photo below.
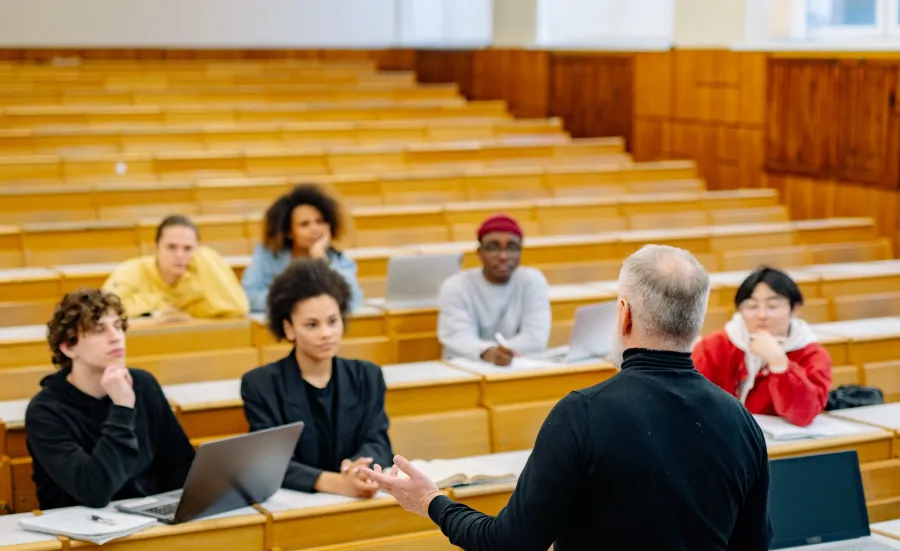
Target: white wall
(198, 23)
(602, 23)
(710, 23)
(515, 23)
(441, 23)
(246, 23)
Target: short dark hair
(176, 220)
(780, 282)
(77, 313)
(303, 279)
(277, 236)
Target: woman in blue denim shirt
(300, 224)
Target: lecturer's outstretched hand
(414, 493)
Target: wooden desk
(239, 530)
(857, 277)
(519, 398)
(15, 469)
(366, 336)
(435, 411)
(27, 295)
(317, 521)
(870, 340)
(871, 443)
(14, 538)
(885, 416)
(183, 352)
(212, 408)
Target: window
(847, 22)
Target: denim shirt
(265, 267)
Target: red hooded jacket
(797, 395)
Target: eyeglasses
(495, 248)
(769, 307)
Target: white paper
(289, 500)
(520, 363)
(11, 533)
(77, 523)
(891, 527)
(777, 429)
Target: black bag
(854, 396)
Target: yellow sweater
(209, 289)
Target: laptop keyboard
(167, 510)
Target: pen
(96, 518)
(501, 340)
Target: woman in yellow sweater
(181, 280)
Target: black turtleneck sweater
(90, 452)
(657, 457)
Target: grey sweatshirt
(472, 310)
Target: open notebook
(97, 526)
(446, 473)
(777, 429)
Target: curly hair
(77, 313)
(278, 223)
(304, 279)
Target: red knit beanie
(499, 223)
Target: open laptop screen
(817, 499)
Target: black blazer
(275, 395)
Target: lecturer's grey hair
(668, 291)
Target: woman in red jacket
(767, 357)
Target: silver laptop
(415, 281)
(591, 335)
(226, 474)
(816, 502)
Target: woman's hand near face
(320, 247)
(767, 347)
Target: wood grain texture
(387, 59)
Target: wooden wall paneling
(868, 127)
(652, 130)
(447, 66)
(802, 119)
(519, 77)
(593, 93)
(387, 59)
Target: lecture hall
(424, 275)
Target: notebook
(447, 473)
(777, 429)
(97, 526)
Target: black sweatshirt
(657, 457)
(90, 452)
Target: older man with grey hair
(657, 457)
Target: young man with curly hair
(300, 224)
(340, 400)
(99, 431)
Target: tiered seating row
(148, 167)
(263, 135)
(55, 116)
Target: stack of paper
(777, 429)
(97, 526)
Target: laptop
(414, 281)
(816, 502)
(226, 474)
(591, 335)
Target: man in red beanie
(500, 298)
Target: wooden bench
(264, 136)
(32, 117)
(51, 170)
